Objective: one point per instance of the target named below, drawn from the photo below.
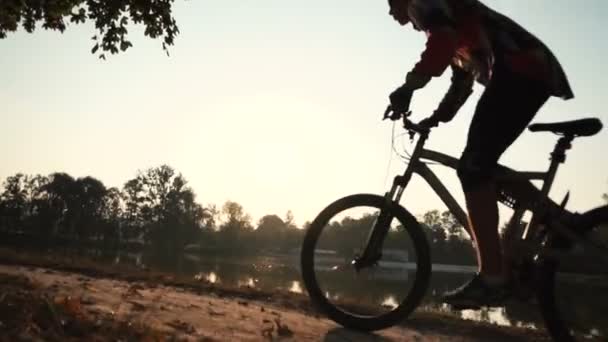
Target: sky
(277, 104)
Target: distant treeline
(158, 211)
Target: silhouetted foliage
(19, 201)
(447, 238)
(163, 209)
(111, 18)
(235, 233)
(276, 235)
(156, 210)
(269, 231)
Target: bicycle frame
(419, 167)
(543, 209)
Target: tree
(39, 217)
(63, 195)
(347, 235)
(89, 205)
(236, 224)
(111, 18)
(436, 231)
(60, 192)
(146, 196)
(445, 235)
(112, 214)
(159, 204)
(454, 229)
(210, 218)
(78, 204)
(271, 224)
(234, 215)
(270, 231)
(289, 220)
(293, 235)
(13, 202)
(58, 203)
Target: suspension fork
(372, 251)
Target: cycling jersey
(470, 36)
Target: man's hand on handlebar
(401, 98)
(394, 115)
(423, 127)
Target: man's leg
(504, 110)
(487, 287)
(483, 219)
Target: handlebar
(410, 126)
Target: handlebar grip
(394, 116)
(387, 111)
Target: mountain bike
(542, 242)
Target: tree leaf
(108, 18)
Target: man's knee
(474, 172)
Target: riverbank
(72, 299)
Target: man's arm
(435, 19)
(458, 93)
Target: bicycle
(535, 250)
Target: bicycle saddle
(581, 128)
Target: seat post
(558, 156)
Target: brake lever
(387, 112)
(412, 134)
(394, 116)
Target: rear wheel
(572, 291)
(374, 297)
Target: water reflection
(249, 282)
(211, 277)
(492, 315)
(296, 287)
(390, 302)
(271, 273)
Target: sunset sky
(276, 104)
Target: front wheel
(572, 290)
(377, 296)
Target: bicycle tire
(555, 324)
(423, 260)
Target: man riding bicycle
(519, 74)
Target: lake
(282, 273)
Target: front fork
(372, 252)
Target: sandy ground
(160, 312)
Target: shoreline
(426, 323)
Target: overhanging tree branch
(111, 18)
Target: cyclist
(519, 74)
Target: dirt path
(183, 315)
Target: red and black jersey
(470, 36)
